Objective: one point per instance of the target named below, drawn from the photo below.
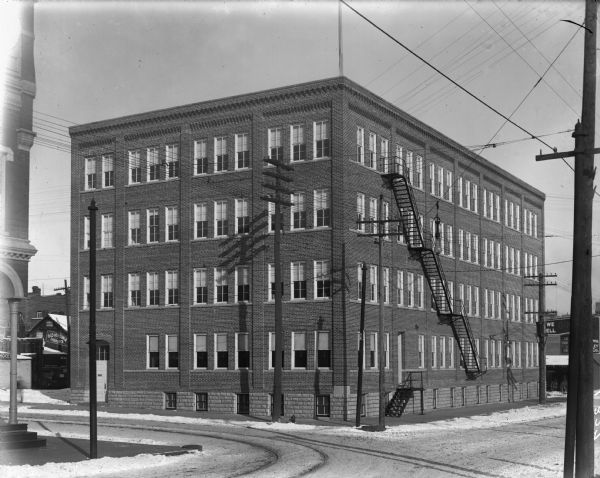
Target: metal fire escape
(449, 311)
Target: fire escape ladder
(420, 247)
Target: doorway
(102, 356)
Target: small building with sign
(50, 368)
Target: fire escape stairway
(449, 312)
(403, 394)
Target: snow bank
(30, 396)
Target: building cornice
(16, 249)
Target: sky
(99, 60)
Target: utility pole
(92, 339)
(279, 201)
(361, 343)
(67, 290)
(541, 330)
(579, 431)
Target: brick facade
(330, 110)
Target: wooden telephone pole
(579, 432)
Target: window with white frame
(386, 218)
(298, 143)
(221, 351)
(321, 139)
(323, 349)
(242, 281)
(200, 221)
(242, 345)
(321, 208)
(298, 211)
(200, 286)
(433, 351)
(272, 342)
(135, 294)
(90, 174)
(442, 352)
(372, 350)
(400, 287)
(86, 232)
(448, 186)
(242, 218)
(106, 287)
(421, 350)
(221, 158)
(409, 169)
(410, 289)
(242, 153)
(152, 355)
(399, 159)
(360, 211)
(172, 351)
(298, 280)
(221, 286)
(299, 353)
(386, 285)
(221, 218)
(360, 145)
(418, 172)
(135, 167)
(152, 164)
(135, 231)
(86, 293)
(153, 224)
(322, 276)
(172, 218)
(152, 289)
(385, 152)
(373, 279)
(372, 153)
(201, 352)
(275, 144)
(107, 231)
(172, 287)
(172, 160)
(200, 157)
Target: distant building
(185, 310)
(17, 139)
(38, 305)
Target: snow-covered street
(523, 442)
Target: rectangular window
(221, 354)
(172, 351)
(410, 288)
(90, 174)
(420, 292)
(275, 144)
(321, 139)
(152, 289)
(323, 350)
(107, 290)
(360, 211)
(433, 351)
(298, 280)
(448, 185)
(152, 351)
(86, 232)
(242, 218)
(242, 350)
(200, 221)
(200, 287)
(360, 145)
(385, 151)
(172, 160)
(321, 207)
(221, 159)
(135, 167)
(242, 153)
(202, 402)
(298, 211)
(200, 157)
(272, 343)
(153, 164)
(372, 153)
(172, 215)
(172, 286)
(108, 172)
(323, 408)
(221, 287)
(107, 231)
(373, 279)
(400, 287)
(242, 280)
(86, 293)
(386, 285)
(373, 206)
(373, 350)
(418, 172)
(220, 218)
(201, 355)
(409, 167)
(298, 143)
(421, 350)
(135, 294)
(153, 225)
(322, 280)
(299, 355)
(135, 232)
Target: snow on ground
(30, 396)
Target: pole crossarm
(566, 154)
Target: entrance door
(400, 354)
(101, 380)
